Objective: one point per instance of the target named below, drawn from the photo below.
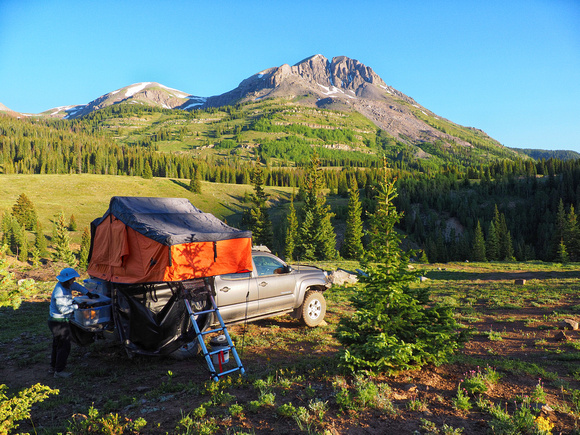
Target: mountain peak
(146, 93)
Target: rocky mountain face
(340, 84)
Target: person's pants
(61, 338)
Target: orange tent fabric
(141, 240)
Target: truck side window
(267, 265)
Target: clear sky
(509, 67)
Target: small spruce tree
(352, 247)
(257, 218)
(61, 241)
(195, 182)
(72, 223)
(395, 326)
(24, 212)
(317, 239)
(40, 240)
(84, 250)
(147, 171)
(562, 254)
(291, 232)
(478, 253)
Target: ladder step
(199, 313)
(227, 372)
(212, 330)
(224, 349)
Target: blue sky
(511, 68)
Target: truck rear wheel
(313, 309)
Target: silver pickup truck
(271, 289)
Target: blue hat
(67, 273)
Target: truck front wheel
(313, 308)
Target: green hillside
(285, 132)
(87, 196)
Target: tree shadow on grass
(500, 276)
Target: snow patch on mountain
(136, 88)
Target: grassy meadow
(87, 196)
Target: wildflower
(544, 425)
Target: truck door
(276, 285)
(236, 296)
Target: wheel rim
(314, 309)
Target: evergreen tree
(562, 253)
(317, 239)
(147, 171)
(572, 235)
(61, 241)
(84, 250)
(291, 232)
(352, 247)
(195, 183)
(506, 251)
(560, 229)
(478, 253)
(24, 212)
(40, 240)
(509, 248)
(72, 223)
(11, 233)
(257, 219)
(492, 243)
(395, 327)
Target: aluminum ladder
(215, 374)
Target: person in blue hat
(62, 309)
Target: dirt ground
(104, 377)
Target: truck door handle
(263, 284)
(225, 289)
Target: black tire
(313, 309)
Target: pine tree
(24, 212)
(61, 241)
(317, 239)
(562, 253)
(572, 235)
(11, 233)
(257, 219)
(72, 223)
(478, 253)
(40, 240)
(506, 251)
(492, 244)
(84, 250)
(395, 326)
(291, 232)
(195, 183)
(352, 247)
(560, 229)
(147, 171)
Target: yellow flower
(544, 424)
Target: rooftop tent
(145, 240)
